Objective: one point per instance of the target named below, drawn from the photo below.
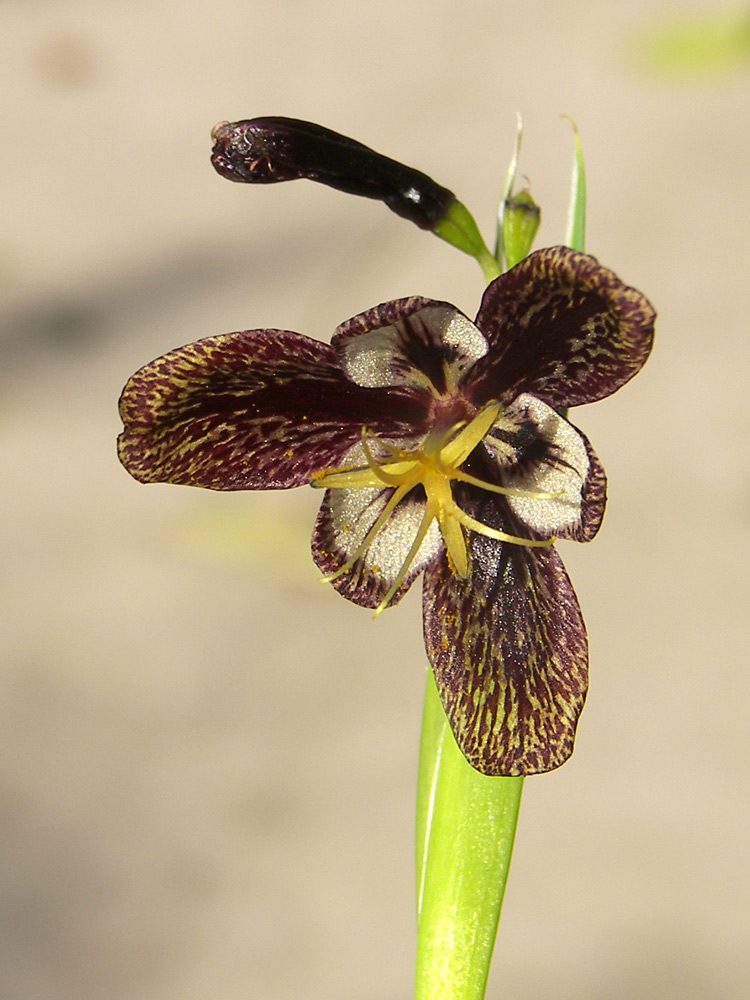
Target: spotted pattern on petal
(563, 328)
(509, 651)
(262, 409)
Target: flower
(442, 450)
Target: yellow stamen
(433, 466)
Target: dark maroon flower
(441, 448)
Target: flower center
(433, 466)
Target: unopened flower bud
(520, 223)
(267, 150)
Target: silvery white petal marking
(563, 471)
(466, 340)
(381, 357)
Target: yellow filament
(484, 529)
(509, 491)
(424, 527)
(398, 472)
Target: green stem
(466, 823)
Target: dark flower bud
(267, 150)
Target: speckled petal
(345, 518)
(262, 409)
(538, 451)
(417, 343)
(563, 328)
(509, 650)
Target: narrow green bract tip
(575, 234)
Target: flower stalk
(466, 824)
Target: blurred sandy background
(208, 760)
